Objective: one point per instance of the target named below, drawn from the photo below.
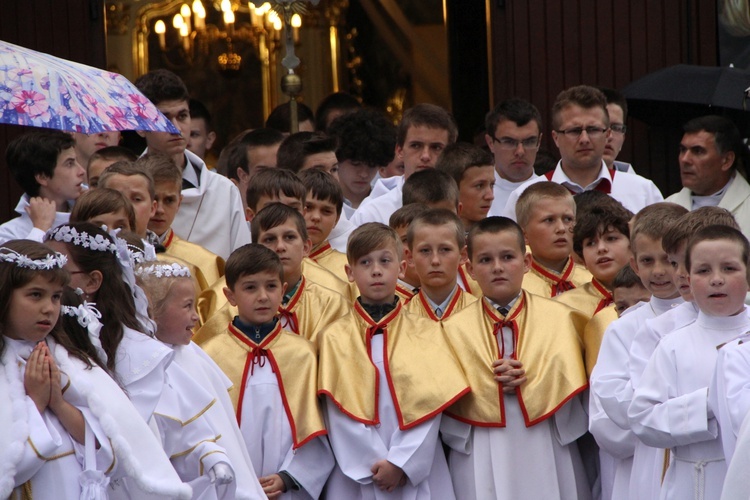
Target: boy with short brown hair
(547, 213)
(272, 372)
(385, 438)
(307, 307)
(407, 285)
(524, 363)
(436, 246)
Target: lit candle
(185, 34)
(185, 13)
(296, 24)
(229, 21)
(160, 28)
(199, 19)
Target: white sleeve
(414, 450)
(310, 465)
(610, 381)
(659, 416)
(729, 395)
(355, 445)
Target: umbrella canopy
(674, 95)
(40, 90)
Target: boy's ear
(42, 179)
(349, 274)
(210, 138)
(464, 255)
(229, 294)
(470, 269)
(153, 208)
(399, 152)
(402, 269)
(249, 214)
(179, 202)
(284, 286)
(526, 262)
(633, 263)
(306, 249)
(459, 208)
(408, 257)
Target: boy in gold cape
(273, 374)
(524, 363)
(387, 376)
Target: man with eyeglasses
(513, 133)
(710, 151)
(580, 124)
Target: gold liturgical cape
(213, 299)
(468, 283)
(594, 333)
(424, 377)
(210, 264)
(547, 283)
(330, 259)
(547, 344)
(419, 305)
(294, 364)
(404, 294)
(311, 308)
(589, 298)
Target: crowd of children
(404, 344)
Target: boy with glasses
(513, 135)
(581, 129)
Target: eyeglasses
(575, 133)
(512, 144)
(620, 129)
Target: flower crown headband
(164, 271)
(51, 261)
(67, 234)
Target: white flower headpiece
(164, 271)
(51, 261)
(88, 317)
(67, 234)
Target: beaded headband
(164, 271)
(51, 261)
(67, 234)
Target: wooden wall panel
(71, 29)
(540, 47)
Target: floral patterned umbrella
(40, 90)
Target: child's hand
(387, 476)
(273, 485)
(509, 373)
(36, 378)
(42, 212)
(56, 396)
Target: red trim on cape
(607, 300)
(552, 411)
(409, 294)
(320, 250)
(563, 277)
(275, 366)
(169, 238)
(286, 310)
(462, 274)
(448, 310)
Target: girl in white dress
(142, 365)
(66, 426)
(171, 292)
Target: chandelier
(194, 31)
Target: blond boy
(547, 212)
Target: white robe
(268, 436)
(381, 208)
(729, 395)
(110, 417)
(221, 416)
(670, 406)
(493, 462)
(502, 190)
(211, 215)
(611, 393)
(648, 462)
(357, 447)
(737, 482)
